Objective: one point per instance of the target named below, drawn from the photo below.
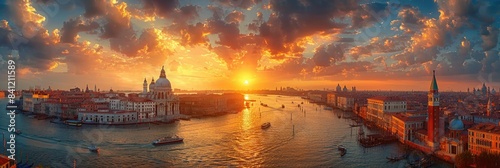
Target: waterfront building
(345, 102)
(484, 137)
(403, 125)
(381, 108)
(33, 99)
(433, 113)
(51, 108)
(317, 96)
(331, 99)
(108, 117)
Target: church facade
(160, 91)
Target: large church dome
(163, 82)
(456, 124)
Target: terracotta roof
(486, 127)
(4, 160)
(406, 118)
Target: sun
(245, 82)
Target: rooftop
(410, 118)
(486, 127)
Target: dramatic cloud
(327, 55)
(245, 4)
(160, 8)
(294, 19)
(368, 14)
(94, 8)
(490, 38)
(71, 28)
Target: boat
(282, 106)
(93, 148)
(168, 140)
(265, 125)
(73, 123)
(342, 150)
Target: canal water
(295, 139)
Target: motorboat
(342, 150)
(168, 140)
(265, 125)
(341, 147)
(93, 148)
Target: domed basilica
(167, 104)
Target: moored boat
(73, 123)
(93, 148)
(168, 140)
(265, 125)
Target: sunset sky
(252, 44)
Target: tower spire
(434, 85)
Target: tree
(464, 159)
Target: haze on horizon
(252, 44)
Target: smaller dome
(456, 124)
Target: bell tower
(433, 111)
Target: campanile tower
(433, 111)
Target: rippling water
(233, 140)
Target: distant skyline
(252, 44)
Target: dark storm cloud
(326, 55)
(72, 27)
(94, 8)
